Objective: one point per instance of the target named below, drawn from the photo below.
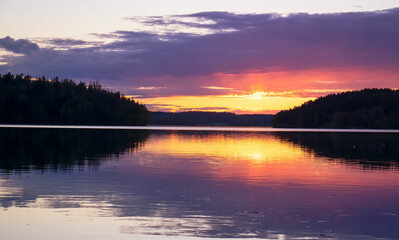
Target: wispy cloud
(218, 88)
(67, 41)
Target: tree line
(368, 108)
(24, 100)
(196, 118)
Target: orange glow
(269, 92)
(306, 83)
(252, 103)
(252, 158)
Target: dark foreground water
(135, 184)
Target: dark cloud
(67, 42)
(235, 43)
(18, 46)
(104, 35)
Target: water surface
(80, 183)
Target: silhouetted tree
(44, 101)
(368, 108)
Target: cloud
(212, 109)
(67, 42)
(18, 46)
(218, 88)
(179, 108)
(235, 44)
(163, 107)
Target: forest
(24, 100)
(365, 109)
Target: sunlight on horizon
(257, 102)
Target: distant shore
(221, 119)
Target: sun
(257, 95)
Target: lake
(198, 184)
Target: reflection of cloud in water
(77, 223)
(8, 193)
(217, 185)
(194, 225)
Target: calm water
(135, 184)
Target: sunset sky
(253, 56)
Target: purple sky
(182, 54)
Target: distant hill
(368, 108)
(43, 101)
(210, 119)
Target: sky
(253, 56)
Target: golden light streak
(218, 88)
(256, 102)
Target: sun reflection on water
(255, 158)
